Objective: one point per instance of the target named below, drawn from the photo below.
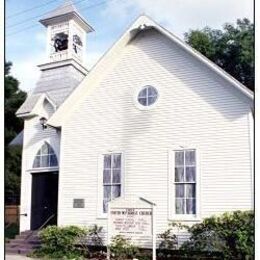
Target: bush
(60, 242)
(230, 233)
(121, 248)
(94, 235)
(168, 239)
(67, 242)
(11, 231)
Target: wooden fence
(12, 214)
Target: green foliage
(168, 239)
(14, 98)
(11, 231)
(230, 233)
(58, 242)
(94, 235)
(68, 242)
(231, 48)
(12, 172)
(122, 249)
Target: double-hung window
(112, 178)
(185, 182)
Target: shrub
(121, 248)
(60, 242)
(11, 231)
(94, 235)
(68, 242)
(168, 239)
(230, 233)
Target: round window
(147, 96)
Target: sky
(26, 38)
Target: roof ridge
(66, 7)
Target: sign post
(108, 233)
(133, 219)
(154, 234)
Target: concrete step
(24, 242)
(26, 237)
(22, 245)
(19, 238)
(20, 249)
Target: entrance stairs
(24, 243)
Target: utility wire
(86, 8)
(37, 16)
(30, 9)
(24, 29)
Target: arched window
(45, 157)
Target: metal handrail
(42, 226)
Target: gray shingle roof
(65, 8)
(18, 140)
(57, 83)
(29, 104)
(62, 13)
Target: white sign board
(131, 221)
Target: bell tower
(66, 34)
(64, 68)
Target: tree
(231, 48)
(14, 98)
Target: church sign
(131, 221)
(132, 218)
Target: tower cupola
(66, 33)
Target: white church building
(153, 118)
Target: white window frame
(49, 158)
(139, 105)
(100, 193)
(171, 186)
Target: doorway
(44, 199)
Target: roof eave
(71, 15)
(246, 91)
(34, 111)
(25, 115)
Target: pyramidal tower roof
(65, 12)
(65, 8)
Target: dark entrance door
(44, 199)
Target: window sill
(185, 218)
(43, 169)
(102, 216)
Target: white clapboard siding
(196, 108)
(34, 137)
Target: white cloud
(26, 71)
(91, 58)
(118, 9)
(182, 15)
(40, 36)
(177, 15)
